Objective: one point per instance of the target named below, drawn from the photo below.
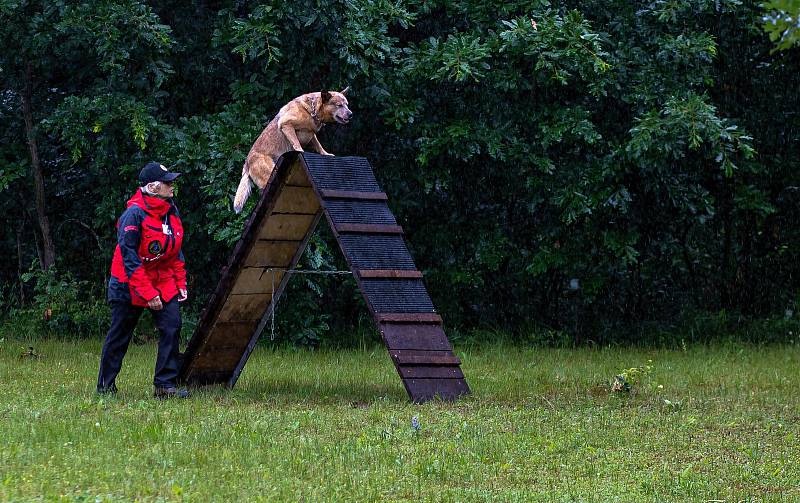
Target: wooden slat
(349, 194)
(245, 307)
(423, 390)
(389, 273)
(409, 318)
(414, 336)
(224, 345)
(255, 280)
(297, 200)
(286, 227)
(369, 229)
(229, 333)
(427, 372)
(408, 357)
(272, 254)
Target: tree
(67, 64)
(647, 151)
(782, 22)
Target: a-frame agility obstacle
(302, 188)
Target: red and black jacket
(148, 260)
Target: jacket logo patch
(130, 228)
(154, 247)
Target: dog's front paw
(326, 153)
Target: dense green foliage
(711, 423)
(644, 154)
(782, 22)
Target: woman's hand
(183, 294)
(155, 303)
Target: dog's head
(334, 107)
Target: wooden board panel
(229, 334)
(286, 227)
(423, 390)
(272, 254)
(296, 200)
(414, 357)
(223, 348)
(414, 336)
(424, 372)
(255, 280)
(245, 307)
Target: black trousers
(124, 317)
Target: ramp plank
(424, 390)
(413, 336)
(297, 200)
(245, 307)
(286, 227)
(272, 254)
(431, 358)
(255, 280)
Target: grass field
(707, 423)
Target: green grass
(709, 423)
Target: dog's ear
(345, 91)
(326, 96)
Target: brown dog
(295, 127)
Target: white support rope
(290, 271)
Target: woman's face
(166, 190)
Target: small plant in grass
(625, 381)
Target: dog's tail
(243, 191)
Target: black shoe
(164, 393)
(108, 390)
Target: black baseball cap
(155, 172)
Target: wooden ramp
(302, 188)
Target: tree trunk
(49, 254)
(20, 264)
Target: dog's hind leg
(261, 167)
(257, 167)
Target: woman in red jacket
(147, 271)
